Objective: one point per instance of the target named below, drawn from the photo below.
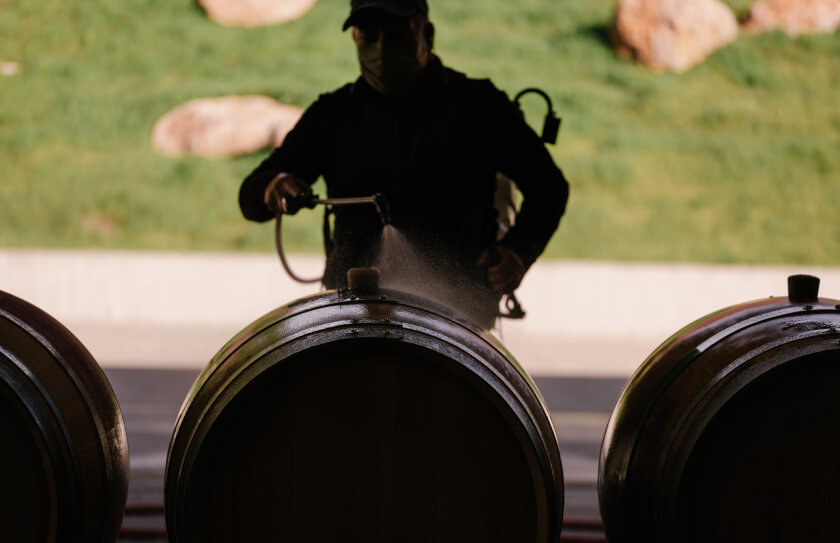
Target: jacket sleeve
(300, 154)
(522, 157)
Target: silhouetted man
(432, 141)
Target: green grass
(735, 160)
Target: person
(431, 140)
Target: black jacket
(434, 155)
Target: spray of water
(403, 267)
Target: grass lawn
(736, 160)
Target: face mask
(393, 69)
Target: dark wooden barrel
(64, 468)
(730, 430)
(345, 417)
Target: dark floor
(151, 399)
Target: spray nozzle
(383, 208)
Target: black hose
(278, 243)
(310, 201)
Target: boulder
(10, 67)
(224, 127)
(794, 17)
(672, 34)
(249, 13)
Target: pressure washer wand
(378, 200)
(293, 205)
(311, 200)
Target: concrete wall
(130, 307)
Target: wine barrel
(363, 415)
(65, 455)
(729, 430)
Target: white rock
(672, 34)
(250, 13)
(10, 67)
(794, 17)
(224, 127)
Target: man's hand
(507, 272)
(282, 189)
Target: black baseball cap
(401, 8)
